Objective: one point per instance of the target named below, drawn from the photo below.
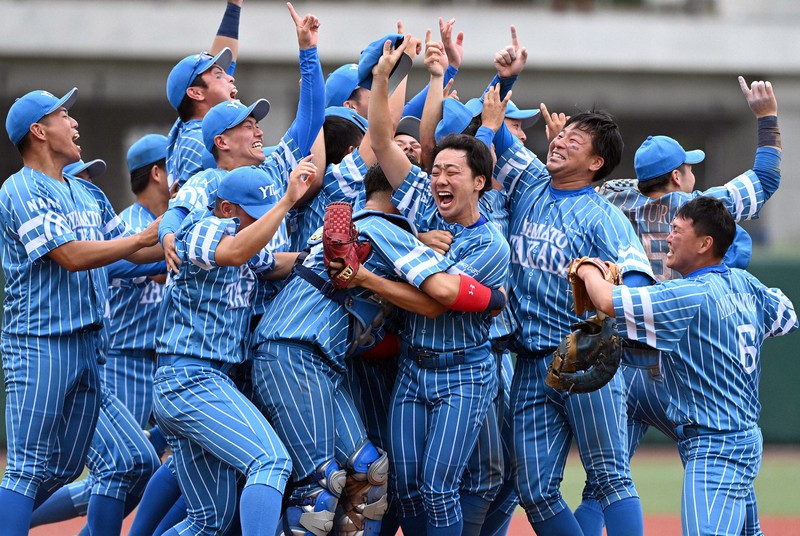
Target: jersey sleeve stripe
(30, 224)
(627, 305)
(647, 316)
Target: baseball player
(54, 235)
(213, 429)
(665, 183)
(556, 215)
(194, 85)
(721, 314)
(449, 356)
(116, 453)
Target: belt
(432, 360)
(500, 344)
(538, 354)
(97, 326)
(183, 361)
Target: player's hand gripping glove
(580, 297)
(587, 358)
(340, 242)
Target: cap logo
(234, 104)
(47, 94)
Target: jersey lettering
(748, 352)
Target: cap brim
(224, 59)
(95, 168)
(256, 211)
(400, 71)
(409, 126)
(259, 109)
(66, 101)
(694, 157)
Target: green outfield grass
(658, 474)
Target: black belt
(97, 326)
(539, 354)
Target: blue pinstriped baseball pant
(52, 404)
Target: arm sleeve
(123, 269)
(503, 139)
(636, 279)
(417, 103)
(486, 135)
(171, 221)
(311, 108)
(767, 167)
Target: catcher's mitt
(340, 242)
(587, 358)
(580, 297)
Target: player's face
(571, 156)
(359, 102)
(455, 189)
(409, 145)
(61, 132)
(515, 126)
(686, 178)
(684, 245)
(246, 142)
(220, 86)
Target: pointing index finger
(297, 20)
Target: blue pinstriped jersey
(652, 218)
(39, 214)
(342, 182)
(185, 151)
(134, 302)
(493, 205)
(207, 308)
(479, 251)
(710, 327)
(548, 228)
(200, 191)
(301, 313)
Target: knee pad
(309, 515)
(365, 501)
(330, 477)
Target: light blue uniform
(652, 219)
(709, 327)
(52, 404)
(215, 432)
(548, 228)
(301, 343)
(447, 374)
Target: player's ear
(480, 182)
(706, 244)
(220, 142)
(37, 131)
(596, 163)
(195, 93)
(226, 209)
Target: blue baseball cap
(373, 53)
(340, 84)
(661, 154)
(408, 125)
(94, 167)
(528, 118)
(456, 117)
(150, 148)
(241, 186)
(31, 107)
(349, 114)
(227, 115)
(475, 106)
(183, 74)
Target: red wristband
(473, 297)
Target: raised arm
(238, 249)
(391, 158)
(436, 64)
(228, 32)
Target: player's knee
(365, 492)
(271, 468)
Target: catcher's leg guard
(310, 512)
(365, 501)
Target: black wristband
(229, 27)
(497, 301)
(769, 135)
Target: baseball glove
(340, 242)
(587, 358)
(580, 297)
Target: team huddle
(353, 331)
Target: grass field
(658, 474)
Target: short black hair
(709, 217)
(653, 185)
(340, 134)
(606, 138)
(140, 177)
(479, 158)
(375, 182)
